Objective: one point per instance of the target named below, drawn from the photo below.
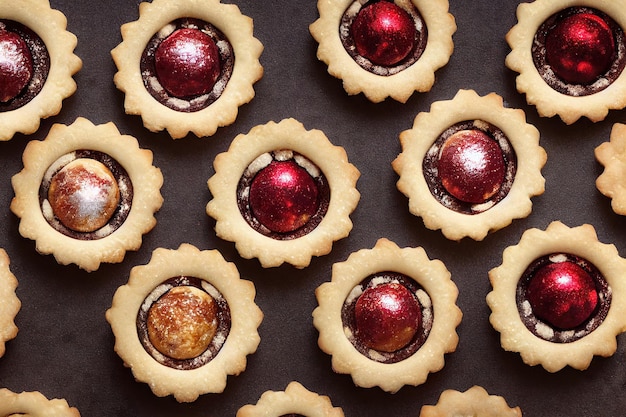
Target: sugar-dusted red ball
(16, 65)
(283, 196)
(471, 166)
(562, 294)
(580, 48)
(384, 33)
(387, 317)
(187, 63)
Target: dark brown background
(65, 346)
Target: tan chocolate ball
(182, 323)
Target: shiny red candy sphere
(562, 294)
(187, 63)
(471, 166)
(16, 65)
(283, 196)
(580, 48)
(384, 33)
(387, 317)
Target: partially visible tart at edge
(558, 298)
(384, 49)
(570, 57)
(210, 42)
(38, 63)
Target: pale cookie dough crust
(431, 275)
(9, 303)
(428, 126)
(34, 404)
(50, 25)
(548, 101)
(288, 134)
(612, 181)
(505, 317)
(243, 338)
(418, 77)
(155, 16)
(61, 141)
(296, 399)
(476, 401)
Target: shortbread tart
(570, 56)
(38, 62)
(470, 166)
(384, 49)
(86, 194)
(283, 194)
(476, 401)
(33, 404)
(295, 400)
(612, 156)
(388, 316)
(9, 302)
(211, 43)
(559, 297)
(184, 322)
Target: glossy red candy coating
(384, 33)
(471, 166)
(16, 65)
(283, 196)
(187, 63)
(580, 48)
(562, 294)
(387, 317)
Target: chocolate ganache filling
(579, 51)
(184, 322)
(387, 317)
(470, 167)
(382, 37)
(187, 65)
(562, 297)
(24, 65)
(86, 195)
(283, 195)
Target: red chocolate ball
(283, 196)
(562, 294)
(387, 317)
(16, 65)
(471, 166)
(580, 48)
(187, 63)
(384, 33)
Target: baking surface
(65, 346)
